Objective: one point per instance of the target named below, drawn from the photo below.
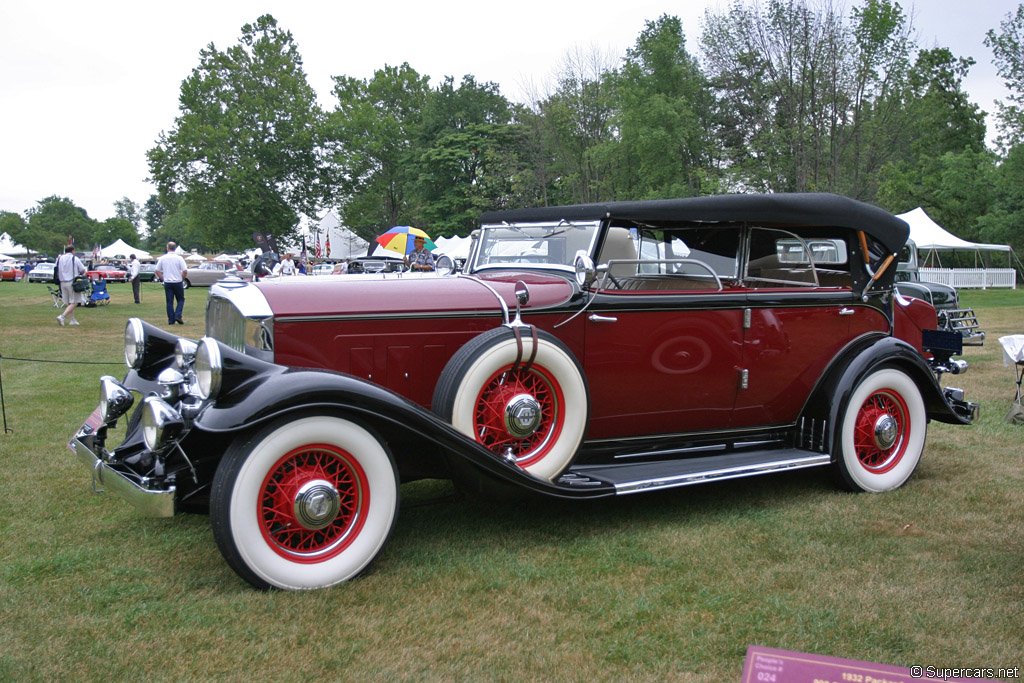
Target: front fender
(287, 390)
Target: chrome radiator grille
(225, 323)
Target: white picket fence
(971, 278)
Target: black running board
(663, 474)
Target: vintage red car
(12, 272)
(109, 272)
(586, 351)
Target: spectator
(419, 258)
(69, 266)
(133, 275)
(286, 266)
(173, 270)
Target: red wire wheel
(880, 432)
(519, 413)
(521, 397)
(312, 503)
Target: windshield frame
(526, 245)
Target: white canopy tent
(930, 237)
(122, 249)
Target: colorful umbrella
(400, 238)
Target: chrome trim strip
(106, 479)
(676, 481)
(696, 435)
(504, 307)
(384, 316)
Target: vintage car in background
(108, 272)
(12, 272)
(944, 298)
(587, 351)
(376, 264)
(210, 272)
(41, 272)
(147, 272)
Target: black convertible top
(795, 209)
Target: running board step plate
(663, 474)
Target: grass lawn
(671, 585)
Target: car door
(802, 312)
(662, 346)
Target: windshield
(534, 244)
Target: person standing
(419, 258)
(69, 266)
(133, 275)
(286, 266)
(173, 270)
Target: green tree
(575, 132)
(1007, 46)
(374, 129)
(1003, 223)
(116, 228)
(14, 225)
(246, 151)
(806, 102)
(465, 145)
(664, 117)
(56, 220)
(129, 211)
(154, 212)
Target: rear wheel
(304, 503)
(882, 433)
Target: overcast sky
(86, 88)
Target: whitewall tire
(533, 413)
(882, 433)
(306, 502)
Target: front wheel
(882, 432)
(304, 503)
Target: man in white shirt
(173, 270)
(133, 275)
(286, 266)
(68, 267)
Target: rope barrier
(3, 404)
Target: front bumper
(107, 479)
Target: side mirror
(586, 272)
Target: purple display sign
(767, 665)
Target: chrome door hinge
(746, 318)
(744, 378)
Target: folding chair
(58, 298)
(1013, 354)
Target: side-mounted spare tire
(521, 396)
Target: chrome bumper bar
(106, 479)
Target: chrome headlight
(161, 424)
(184, 353)
(209, 368)
(115, 399)
(134, 343)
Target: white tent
(344, 244)
(930, 236)
(122, 249)
(454, 247)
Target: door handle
(846, 311)
(594, 317)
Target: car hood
(408, 294)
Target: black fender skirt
(278, 391)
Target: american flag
(318, 245)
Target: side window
(780, 258)
(670, 258)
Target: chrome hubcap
(522, 415)
(885, 432)
(317, 504)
